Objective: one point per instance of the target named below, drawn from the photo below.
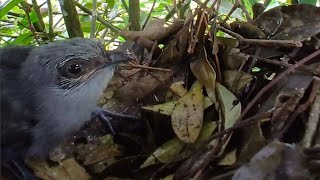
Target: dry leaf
(171, 150)
(235, 80)
(187, 115)
(274, 161)
(229, 159)
(204, 72)
(68, 169)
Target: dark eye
(75, 69)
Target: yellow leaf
(173, 150)
(68, 169)
(165, 108)
(165, 153)
(178, 89)
(229, 159)
(187, 115)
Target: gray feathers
(40, 106)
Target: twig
(149, 15)
(286, 65)
(144, 67)
(93, 19)
(71, 20)
(313, 123)
(51, 35)
(247, 122)
(125, 5)
(276, 80)
(31, 27)
(271, 43)
(101, 20)
(234, 7)
(262, 42)
(302, 108)
(40, 23)
(208, 152)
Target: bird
(49, 92)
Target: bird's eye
(75, 69)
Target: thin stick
(276, 80)
(145, 67)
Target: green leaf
(7, 6)
(110, 3)
(23, 39)
(230, 111)
(312, 2)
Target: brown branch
(26, 8)
(144, 67)
(286, 65)
(302, 108)
(262, 42)
(276, 80)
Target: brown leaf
(68, 169)
(274, 161)
(294, 22)
(204, 72)
(90, 154)
(235, 80)
(155, 30)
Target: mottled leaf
(167, 108)
(171, 150)
(176, 91)
(166, 153)
(187, 115)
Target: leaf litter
(202, 112)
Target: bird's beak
(117, 57)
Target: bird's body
(49, 92)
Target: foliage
(205, 82)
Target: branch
(134, 15)
(101, 20)
(93, 18)
(71, 18)
(51, 33)
(125, 6)
(262, 42)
